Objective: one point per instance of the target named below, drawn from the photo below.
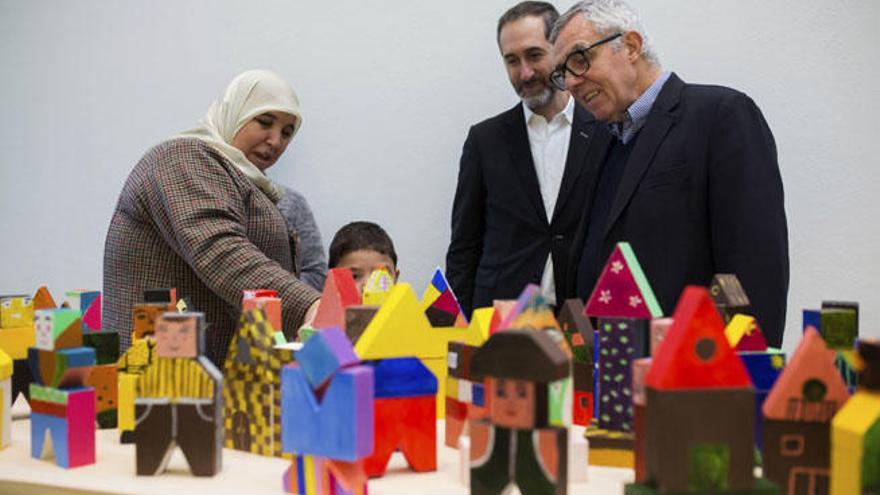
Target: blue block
(402, 377)
(339, 426)
(325, 353)
(761, 368)
(478, 396)
(57, 428)
(77, 357)
(812, 317)
(439, 281)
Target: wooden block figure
(43, 299)
(339, 293)
(837, 322)
(270, 304)
(578, 332)
(441, 305)
(515, 446)
(401, 329)
(404, 415)
(179, 400)
(797, 419)
(5, 399)
(104, 377)
(377, 287)
(66, 417)
(16, 336)
(855, 430)
(16, 311)
(729, 296)
(62, 407)
(464, 394)
(699, 407)
(252, 387)
(338, 428)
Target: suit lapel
(581, 136)
(517, 138)
(660, 120)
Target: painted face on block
(16, 311)
(513, 403)
(144, 316)
(176, 337)
(43, 328)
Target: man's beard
(539, 100)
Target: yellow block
(452, 387)
(612, 458)
(125, 399)
(481, 320)
(431, 295)
(5, 365)
(739, 327)
(848, 430)
(15, 341)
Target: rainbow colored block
(441, 305)
(67, 417)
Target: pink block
(81, 427)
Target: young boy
(363, 247)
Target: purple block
(325, 353)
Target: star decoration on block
(616, 267)
(605, 296)
(634, 301)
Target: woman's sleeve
(296, 212)
(200, 212)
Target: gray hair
(608, 17)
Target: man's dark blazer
(500, 233)
(701, 194)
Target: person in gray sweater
(299, 217)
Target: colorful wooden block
(144, 318)
(695, 352)
(16, 341)
(339, 293)
(164, 296)
(104, 380)
(43, 299)
(6, 369)
(530, 311)
(339, 426)
(57, 329)
(270, 305)
(327, 352)
(869, 352)
(16, 311)
(311, 475)
(659, 327)
(407, 424)
(377, 287)
(357, 317)
(105, 343)
(252, 387)
(441, 305)
(622, 290)
(729, 296)
(573, 321)
(64, 368)
(621, 340)
(67, 418)
(744, 334)
(838, 328)
(855, 445)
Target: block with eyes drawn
(16, 311)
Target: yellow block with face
(16, 311)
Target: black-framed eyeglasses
(577, 63)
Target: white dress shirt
(549, 144)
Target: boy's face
(362, 263)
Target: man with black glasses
(688, 173)
(522, 175)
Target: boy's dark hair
(360, 235)
(544, 10)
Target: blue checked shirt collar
(637, 113)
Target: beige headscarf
(251, 93)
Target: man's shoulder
(713, 94)
(496, 121)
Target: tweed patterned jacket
(187, 218)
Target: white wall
(389, 91)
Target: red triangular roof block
(446, 302)
(695, 352)
(339, 293)
(623, 290)
(812, 360)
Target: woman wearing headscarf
(198, 214)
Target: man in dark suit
(521, 183)
(686, 173)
